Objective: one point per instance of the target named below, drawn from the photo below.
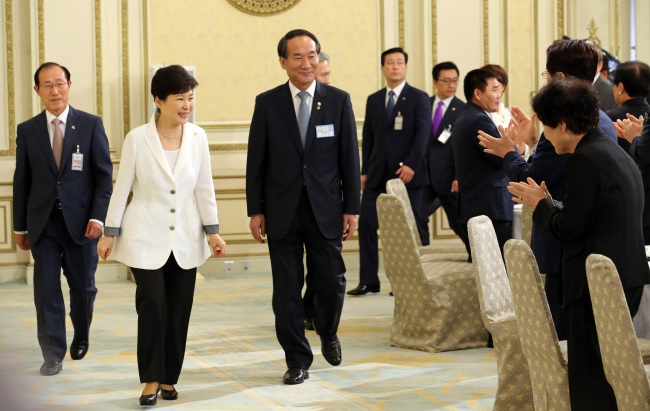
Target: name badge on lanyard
(77, 161)
(399, 121)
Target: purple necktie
(437, 117)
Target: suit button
(304, 166)
(173, 192)
(171, 228)
(58, 183)
(172, 210)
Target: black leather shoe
(363, 289)
(169, 395)
(295, 376)
(151, 399)
(78, 349)
(309, 324)
(331, 350)
(50, 368)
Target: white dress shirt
(296, 99)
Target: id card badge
(444, 136)
(399, 121)
(77, 161)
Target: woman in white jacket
(160, 234)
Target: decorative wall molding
(98, 59)
(11, 96)
(560, 19)
(7, 241)
(125, 68)
(263, 7)
(434, 32)
(617, 38)
(486, 33)
(400, 22)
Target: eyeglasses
(447, 81)
(50, 86)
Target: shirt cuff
(20, 232)
(112, 231)
(97, 221)
(211, 229)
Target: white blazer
(169, 211)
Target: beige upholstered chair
(514, 390)
(618, 344)
(436, 307)
(548, 368)
(431, 253)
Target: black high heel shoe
(168, 395)
(151, 399)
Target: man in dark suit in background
(446, 108)
(631, 85)
(62, 186)
(302, 188)
(602, 84)
(482, 183)
(395, 135)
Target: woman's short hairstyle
(502, 76)
(571, 101)
(172, 80)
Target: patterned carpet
(233, 360)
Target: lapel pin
(453, 109)
(403, 98)
(73, 127)
(318, 106)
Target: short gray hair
(323, 57)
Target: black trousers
(588, 386)
(368, 226)
(553, 287)
(163, 301)
(55, 249)
(328, 271)
(431, 200)
(310, 291)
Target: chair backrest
(548, 371)
(492, 283)
(526, 224)
(397, 188)
(618, 344)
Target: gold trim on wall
(145, 56)
(536, 40)
(506, 45)
(568, 18)
(434, 32)
(11, 102)
(486, 33)
(8, 225)
(41, 35)
(617, 40)
(263, 7)
(228, 147)
(400, 22)
(560, 19)
(381, 24)
(98, 58)
(125, 68)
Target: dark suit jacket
(440, 156)
(637, 107)
(277, 167)
(601, 214)
(383, 147)
(605, 94)
(640, 151)
(482, 183)
(84, 195)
